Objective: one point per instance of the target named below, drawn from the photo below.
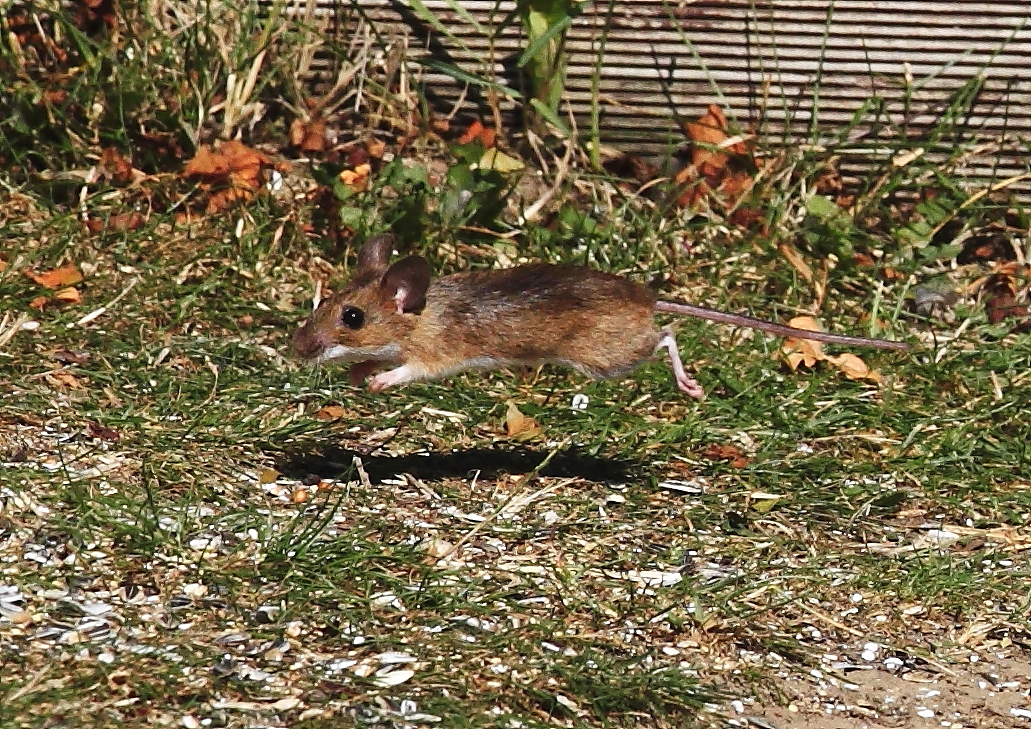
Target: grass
(193, 544)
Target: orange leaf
(519, 426)
(476, 130)
(66, 275)
(472, 132)
(358, 178)
(39, 302)
(69, 295)
(234, 165)
(330, 412)
(730, 453)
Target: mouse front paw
(396, 376)
(359, 371)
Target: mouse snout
(309, 343)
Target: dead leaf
(119, 223)
(68, 357)
(376, 147)
(710, 169)
(68, 295)
(116, 166)
(631, 167)
(854, 368)
(308, 136)
(96, 430)
(230, 175)
(519, 426)
(57, 278)
(495, 159)
(711, 131)
(39, 302)
(330, 412)
(806, 352)
(357, 180)
(732, 453)
(63, 378)
(803, 351)
(476, 130)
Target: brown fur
(598, 323)
(531, 314)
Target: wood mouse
(597, 323)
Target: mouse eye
(352, 318)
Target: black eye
(352, 318)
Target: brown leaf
(806, 352)
(39, 302)
(115, 165)
(66, 275)
(519, 426)
(732, 453)
(631, 166)
(308, 136)
(235, 169)
(96, 430)
(803, 351)
(119, 223)
(63, 378)
(68, 357)
(854, 368)
(68, 295)
(710, 131)
(330, 412)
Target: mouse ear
(374, 254)
(406, 282)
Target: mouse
(397, 316)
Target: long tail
(780, 330)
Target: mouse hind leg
(685, 382)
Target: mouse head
(371, 316)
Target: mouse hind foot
(685, 382)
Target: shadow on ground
(337, 463)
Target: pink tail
(780, 330)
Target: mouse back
(594, 321)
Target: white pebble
(893, 663)
(1022, 713)
(855, 597)
(924, 713)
